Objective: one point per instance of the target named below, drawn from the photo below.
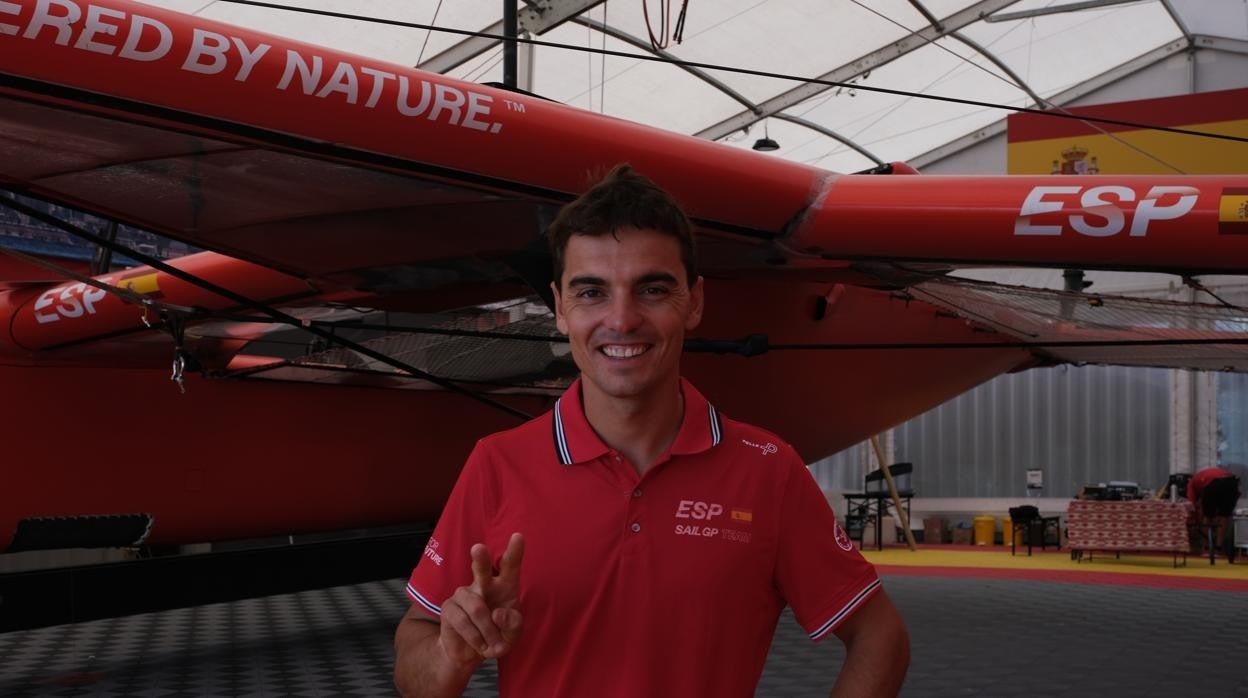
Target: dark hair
(623, 199)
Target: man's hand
(482, 620)
(436, 656)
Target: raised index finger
(509, 565)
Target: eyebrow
(648, 278)
(586, 281)
(656, 276)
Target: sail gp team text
(729, 534)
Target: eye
(590, 292)
(654, 291)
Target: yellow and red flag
(1233, 212)
(1041, 144)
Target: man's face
(625, 304)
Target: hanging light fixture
(765, 144)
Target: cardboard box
(961, 536)
(934, 529)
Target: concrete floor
(970, 637)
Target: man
(1214, 493)
(659, 540)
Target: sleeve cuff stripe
(845, 611)
(426, 603)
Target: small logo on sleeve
(431, 552)
(842, 538)
(767, 448)
(742, 515)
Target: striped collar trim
(576, 442)
(561, 436)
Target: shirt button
(636, 493)
(635, 528)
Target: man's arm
(877, 650)
(421, 667)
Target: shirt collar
(576, 441)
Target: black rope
(679, 35)
(755, 345)
(400, 329)
(658, 44)
(748, 71)
(244, 301)
(1193, 283)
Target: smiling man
(659, 540)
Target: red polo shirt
(1196, 486)
(667, 583)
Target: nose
(623, 314)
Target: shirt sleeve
(818, 571)
(445, 564)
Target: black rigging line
(695, 345)
(244, 301)
(1195, 284)
(747, 71)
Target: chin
(620, 387)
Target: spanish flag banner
(744, 515)
(1233, 212)
(1041, 144)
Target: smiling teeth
(623, 351)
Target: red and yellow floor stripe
(995, 562)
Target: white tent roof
(973, 50)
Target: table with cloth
(1127, 526)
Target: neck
(641, 428)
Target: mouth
(623, 351)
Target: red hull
(234, 459)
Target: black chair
(875, 503)
(874, 481)
(1027, 518)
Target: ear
(560, 321)
(696, 298)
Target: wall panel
(1078, 424)
(1232, 418)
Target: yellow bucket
(985, 528)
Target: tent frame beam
(852, 69)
